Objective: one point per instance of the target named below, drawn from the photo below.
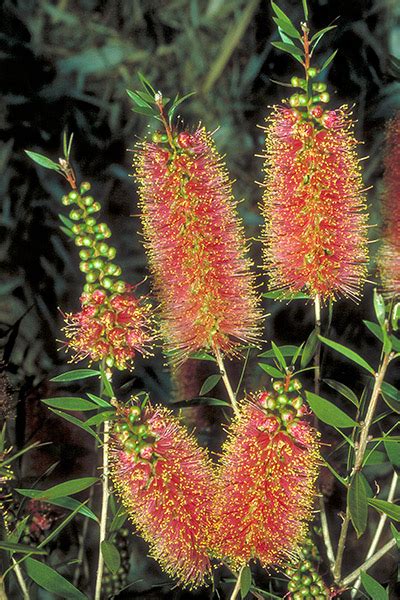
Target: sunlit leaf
(63, 489)
(21, 548)
(70, 403)
(309, 349)
(350, 354)
(272, 371)
(209, 384)
(329, 413)
(390, 509)
(43, 161)
(328, 61)
(111, 556)
(343, 390)
(373, 588)
(245, 581)
(50, 580)
(357, 503)
(75, 375)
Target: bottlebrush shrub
(389, 255)
(195, 243)
(113, 328)
(266, 483)
(315, 232)
(166, 483)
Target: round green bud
(156, 137)
(164, 138)
(111, 269)
(92, 276)
(315, 99)
(75, 215)
(119, 287)
(278, 386)
(87, 242)
(95, 207)
(98, 263)
(292, 586)
(79, 240)
(134, 413)
(130, 445)
(106, 282)
(297, 384)
(110, 361)
(306, 580)
(295, 81)
(88, 288)
(302, 100)
(88, 200)
(85, 187)
(76, 229)
(85, 253)
(103, 249)
(142, 430)
(294, 100)
(324, 97)
(314, 589)
(73, 196)
(66, 200)
(99, 236)
(111, 253)
(297, 402)
(319, 87)
(312, 72)
(305, 566)
(90, 221)
(84, 267)
(282, 399)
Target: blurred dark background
(65, 65)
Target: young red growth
(315, 233)
(389, 255)
(266, 484)
(113, 328)
(196, 245)
(166, 482)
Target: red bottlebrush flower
(166, 483)
(389, 255)
(196, 245)
(266, 482)
(112, 328)
(313, 204)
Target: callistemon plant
(389, 255)
(267, 477)
(166, 483)
(313, 204)
(113, 325)
(194, 240)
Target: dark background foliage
(65, 65)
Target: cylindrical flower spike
(196, 245)
(166, 482)
(267, 477)
(315, 233)
(389, 255)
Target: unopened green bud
(324, 97)
(84, 267)
(66, 200)
(302, 100)
(87, 241)
(85, 187)
(88, 200)
(319, 87)
(110, 361)
(111, 253)
(98, 263)
(294, 100)
(75, 215)
(119, 287)
(92, 276)
(107, 283)
(73, 196)
(312, 72)
(85, 253)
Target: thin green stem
(104, 503)
(359, 457)
(379, 529)
(226, 381)
(20, 579)
(344, 583)
(236, 589)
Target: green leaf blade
(209, 384)
(75, 375)
(111, 556)
(47, 578)
(329, 413)
(358, 504)
(350, 354)
(43, 161)
(375, 590)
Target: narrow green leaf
(286, 351)
(350, 354)
(118, 520)
(106, 384)
(328, 412)
(146, 84)
(43, 161)
(272, 371)
(395, 534)
(67, 222)
(75, 421)
(357, 503)
(328, 61)
(67, 232)
(245, 581)
(70, 403)
(137, 100)
(202, 356)
(50, 580)
(62, 489)
(390, 509)
(373, 588)
(278, 295)
(111, 556)
(283, 18)
(209, 384)
(21, 548)
(309, 349)
(379, 307)
(100, 401)
(289, 29)
(319, 34)
(343, 390)
(212, 401)
(375, 457)
(279, 356)
(105, 415)
(292, 50)
(15, 535)
(393, 451)
(75, 375)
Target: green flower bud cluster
(284, 402)
(135, 436)
(113, 583)
(318, 90)
(96, 254)
(305, 582)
